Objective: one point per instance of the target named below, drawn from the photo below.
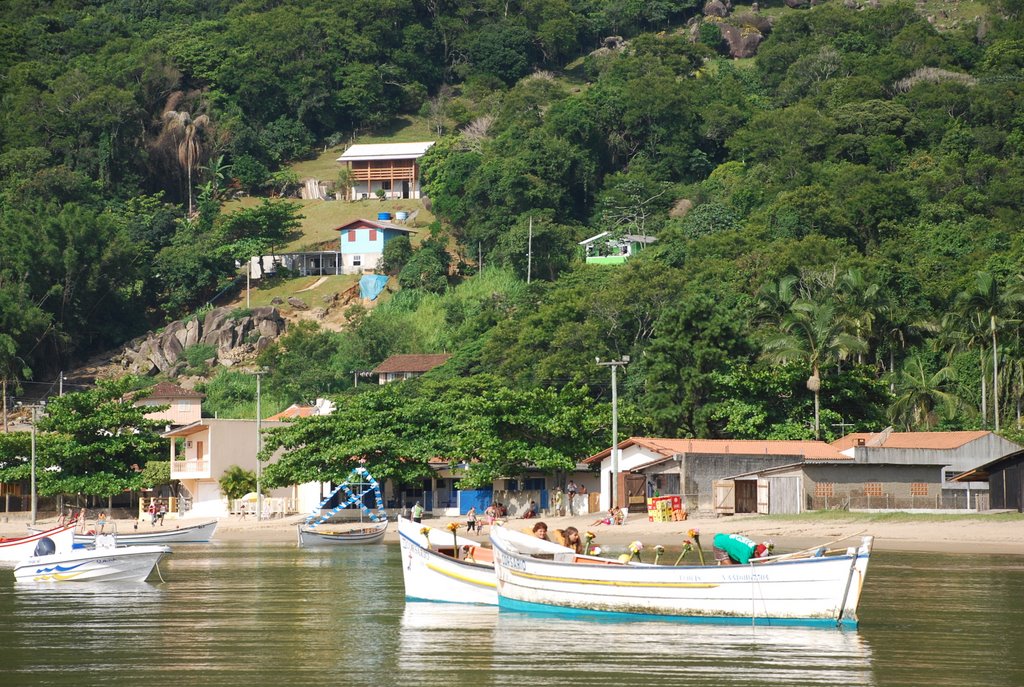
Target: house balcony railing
(383, 174)
(193, 467)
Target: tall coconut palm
(815, 334)
(185, 131)
(900, 327)
(988, 302)
(922, 396)
(861, 302)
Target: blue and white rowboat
(813, 590)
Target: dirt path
(312, 286)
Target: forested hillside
(837, 219)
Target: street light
(614, 364)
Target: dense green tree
(696, 336)
(92, 442)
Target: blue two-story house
(361, 243)
(360, 247)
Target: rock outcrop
(234, 337)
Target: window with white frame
(357, 260)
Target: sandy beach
(892, 532)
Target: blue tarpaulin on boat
(371, 285)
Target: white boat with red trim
(16, 549)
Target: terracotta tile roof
(810, 450)
(921, 440)
(412, 362)
(291, 412)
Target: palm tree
(965, 333)
(922, 395)
(813, 333)
(900, 327)
(861, 302)
(989, 305)
(185, 133)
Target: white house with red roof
(691, 468)
(391, 170)
(408, 365)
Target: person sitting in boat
(471, 520)
(531, 511)
(569, 538)
(540, 530)
(735, 548)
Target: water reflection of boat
(819, 589)
(475, 643)
(677, 653)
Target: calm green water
(243, 614)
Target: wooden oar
(807, 552)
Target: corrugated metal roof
(374, 224)
(412, 362)
(385, 151)
(169, 390)
(909, 440)
(816, 450)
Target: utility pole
(356, 374)
(529, 253)
(248, 277)
(35, 408)
(259, 445)
(614, 364)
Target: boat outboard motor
(45, 547)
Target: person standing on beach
(417, 512)
(152, 512)
(570, 490)
(161, 512)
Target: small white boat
(16, 549)
(103, 562)
(199, 533)
(812, 590)
(371, 533)
(356, 488)
(433, 573)
(441, 566)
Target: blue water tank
(384, 216)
